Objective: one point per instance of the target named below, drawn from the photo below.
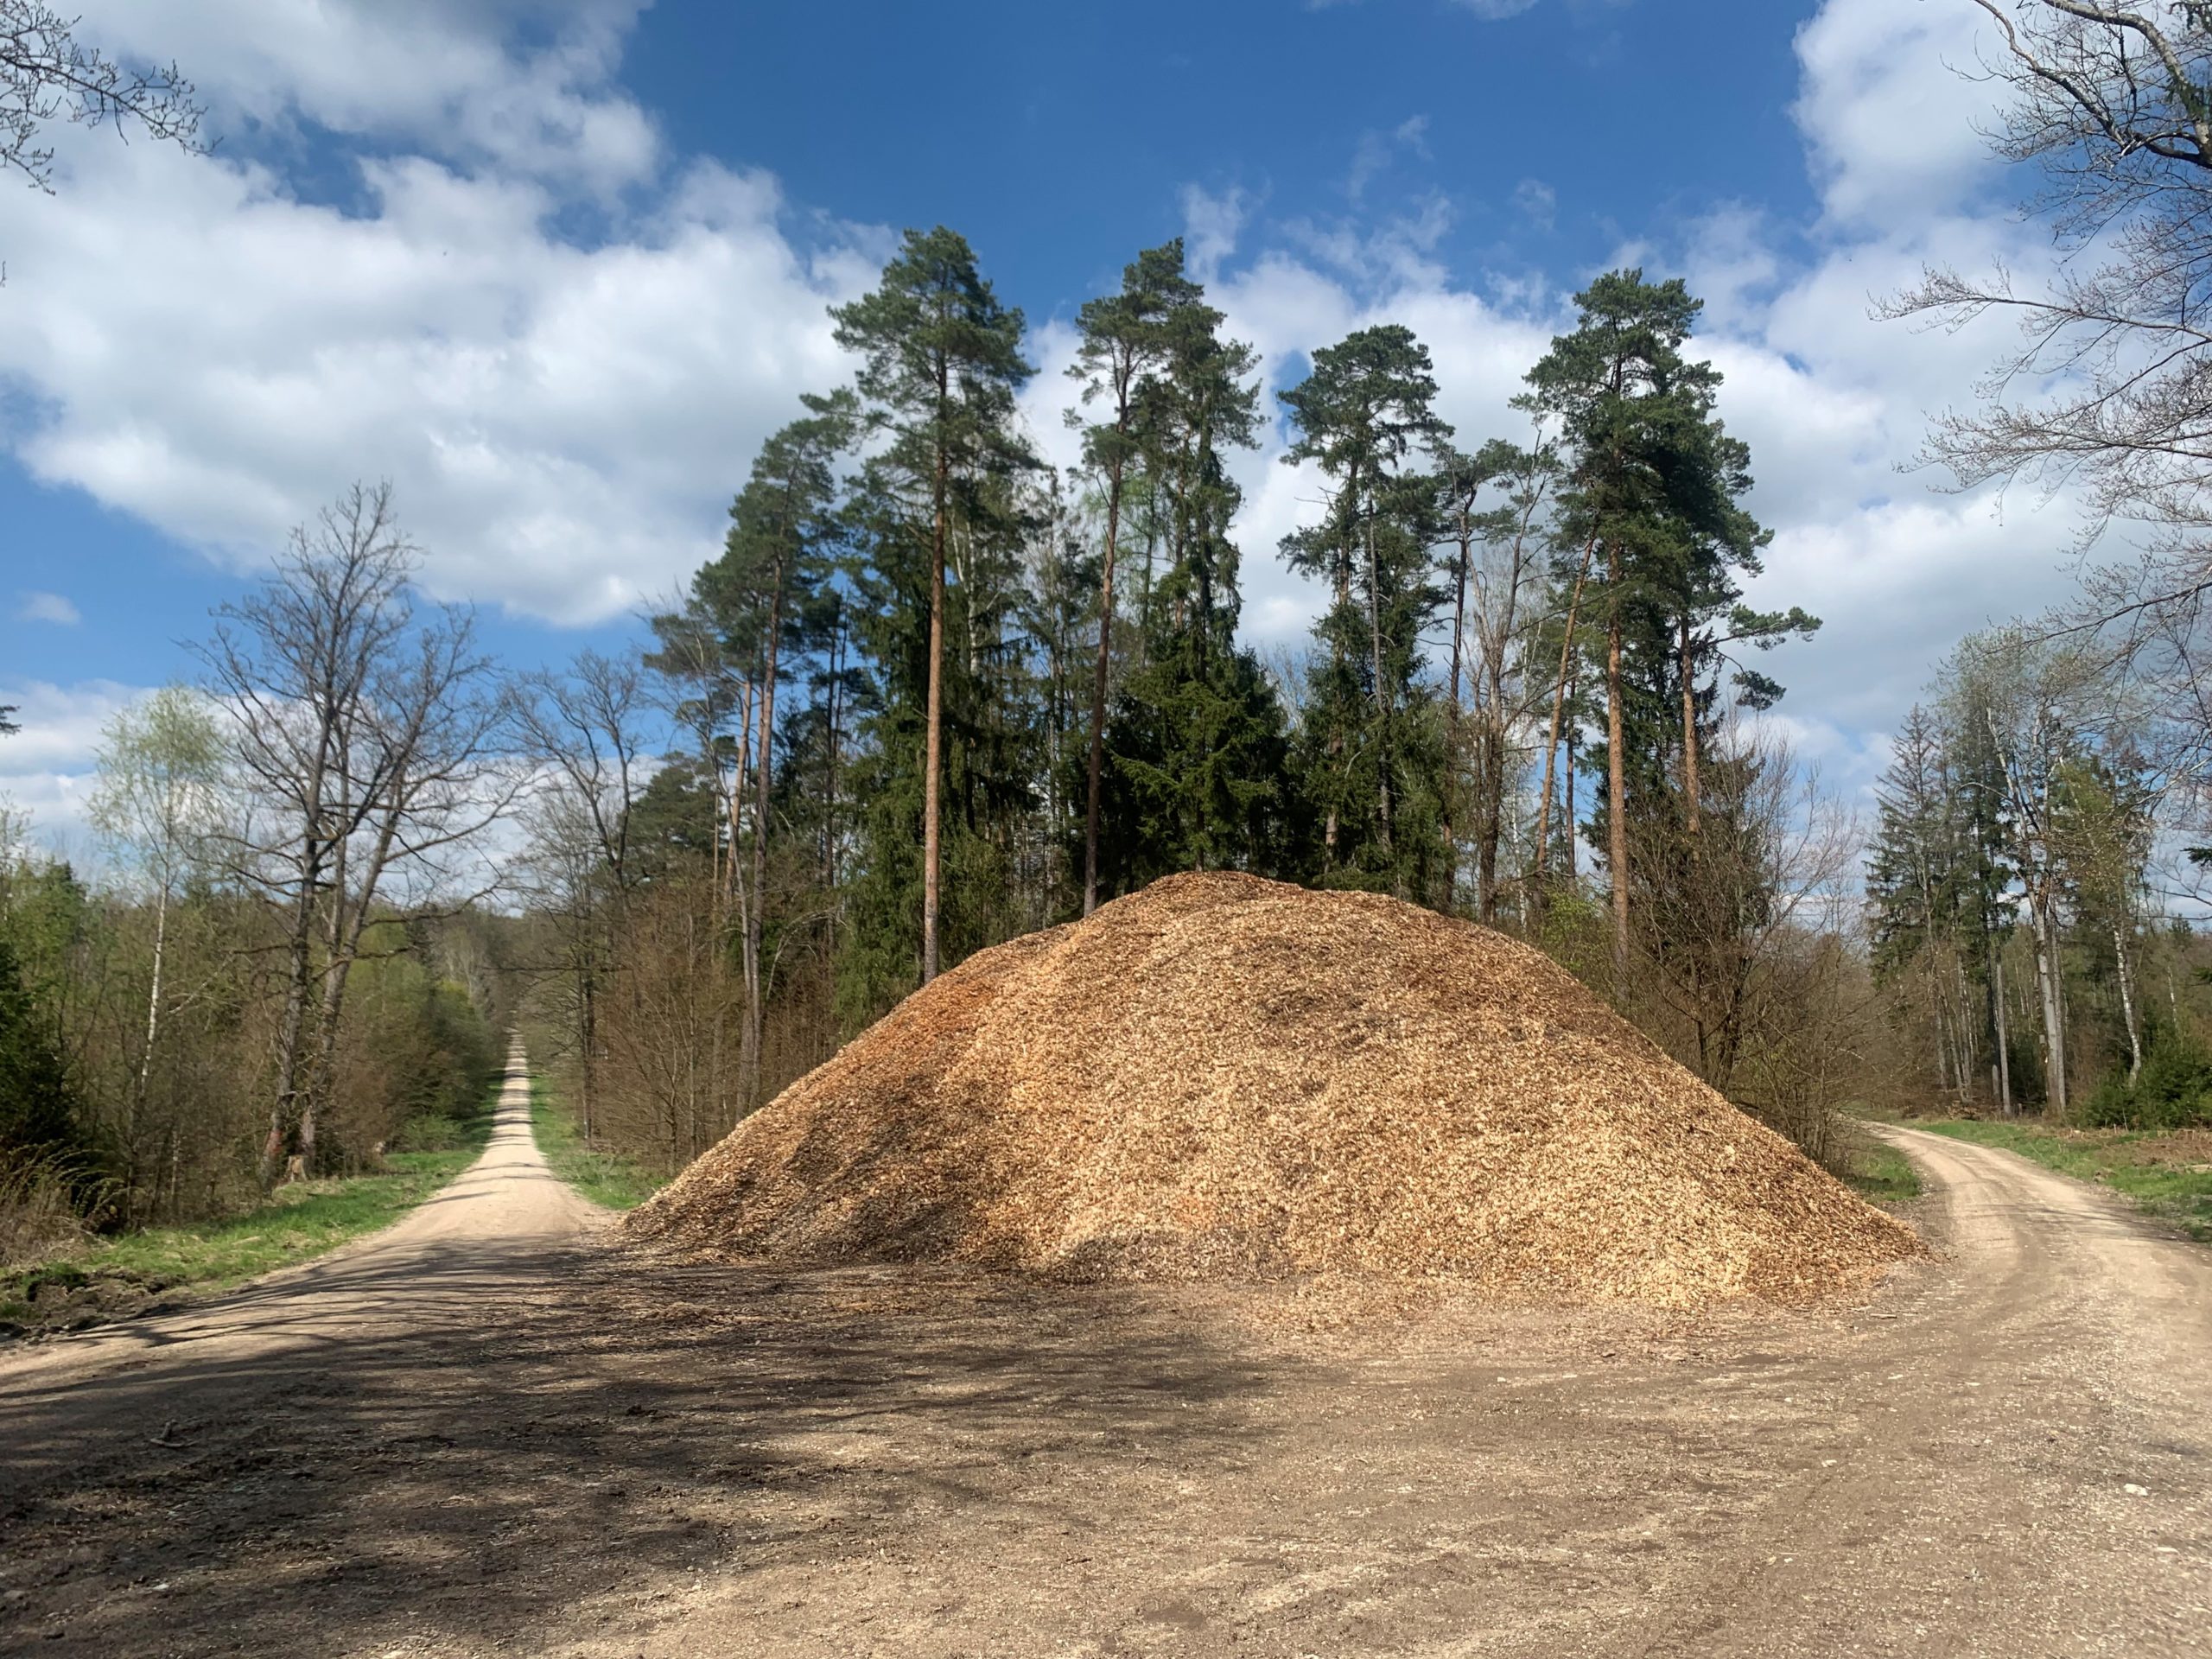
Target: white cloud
(1537, 202)
(1834, 404)
(1891, 121)
(47, 767)
(565, 413)
(1211, 224)
(449, 78)
(1493, 11)
(563, 421)
(48, 607)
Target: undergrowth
(605, 1178)
(89, 1280)
(1878, 1171)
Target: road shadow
(493, 1442)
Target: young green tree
(158, 803)
(940, 363)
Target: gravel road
(485, 1431)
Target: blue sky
(556, 269)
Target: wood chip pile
(1223, 1077)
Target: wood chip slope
(1221, 1076)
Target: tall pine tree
(940, 363)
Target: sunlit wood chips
(1226, 1077)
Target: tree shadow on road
(554, 1439)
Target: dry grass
(1222, 1077)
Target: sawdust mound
(1225, 1077)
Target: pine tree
(1366, 411)
(1653, 510)
(941, 361)
(1124, 349)
(774, 562)
(1198, 745)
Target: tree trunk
(932, 744)
(1616, 773)
(1383, 697)
(1551, 745)
(2054, 1007)
(1098, 687)
(748, 1082)
(290, 1031)
(153, 1004)
(2004, 1031)
(1690, 791)
(1452, 742)
(587, 1019)
(2128, 1000)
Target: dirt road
(485, 1433)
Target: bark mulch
(1225, 1079)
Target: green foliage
(2172, 1091)
(1880, 1172)
(38, 1109)
(1370, 757)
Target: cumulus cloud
(564, 412)
(47, 767)
(1893, 126)
(562, 419)
(1834, 404)
(47, 607)
(1212, 222)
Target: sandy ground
(485, 1432)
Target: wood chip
(1222, 1077)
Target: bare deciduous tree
(2110, 389)
(584, 731)
(367, 737)
(47, 75)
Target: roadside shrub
(38, 1212)
(2172, 1091)
(429, 1132)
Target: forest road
(488, 1432)
(499, 1223)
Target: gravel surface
(489, 1431)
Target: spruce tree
(1197, 747)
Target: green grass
(1880, 1172)
(2166, 1175)
(298, 1222)
(605, 1178)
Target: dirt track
(484, 1433)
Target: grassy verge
(2167, 1175)
(605, 1178)
(1880, 1172)
(102, 1279)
